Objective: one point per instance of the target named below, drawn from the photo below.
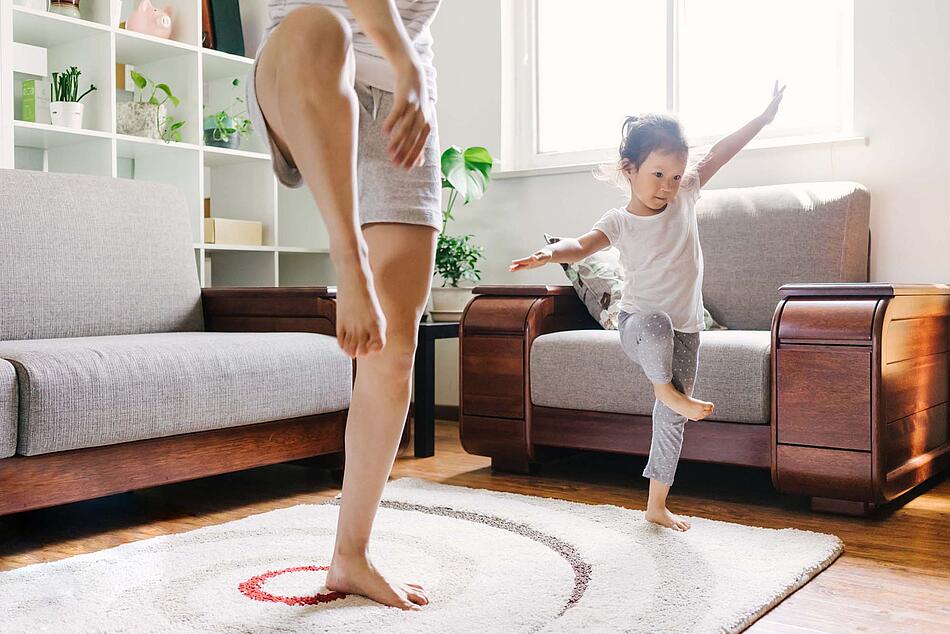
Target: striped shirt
(372, 68)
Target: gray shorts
(387, 193)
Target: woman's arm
(566, 250)
(408, 124)
(727, 147)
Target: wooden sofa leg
(842, 507)
(513, 464)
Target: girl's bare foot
(663, 517)
(357, 575)
(691, 408)
(360, 323)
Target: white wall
(902, 104)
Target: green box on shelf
(36, 96)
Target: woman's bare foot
(663, 517)
(691, 408)
(360, 323)
(357, 575)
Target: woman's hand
(538, 258)
(769, 114)
(409, 122)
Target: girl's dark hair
(651, 132)
(643, 134)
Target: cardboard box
(36, 96)
(123, 77)
(228, 231)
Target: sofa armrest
(524, 290)
(497, 329)
(269, 309)
(859, 391)
(874, 289)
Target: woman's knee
(396, 358)
(316, 39)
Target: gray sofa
(754, 240)
(111, 355)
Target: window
(573, 70)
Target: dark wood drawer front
(824, 397)
(493, 376)
(827, 319)
(845, 475)
(484, 436)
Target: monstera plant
(465, 175)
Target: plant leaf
(467, 172)
(140, 81)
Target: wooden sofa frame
(859, 380)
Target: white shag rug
(491, 562)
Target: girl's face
(656, 182)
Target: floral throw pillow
(598, 280)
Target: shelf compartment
(305, 269)
(242, 268)
(42, 28)
(45, 136)
(219, 65)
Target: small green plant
(66, 85)
(142, 83)
(170, 127)
(466, 174)
(224, 123)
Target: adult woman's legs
(311, 110)
(402, 258)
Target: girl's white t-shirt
(661, 257)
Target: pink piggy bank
(149, 20)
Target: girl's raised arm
(727, 147)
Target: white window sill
(753, 147)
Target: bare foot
(357, 575)
(691, 408)
(360, 323)
(663, 517)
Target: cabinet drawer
(823, 397)
(493, 376)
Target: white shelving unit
(240, 182)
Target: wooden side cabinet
(860, 391)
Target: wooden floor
(893, 577)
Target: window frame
(520, 122)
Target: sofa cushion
(755, 239)
(8, 411)
(95, 391)
(588, 370)
(83, 256)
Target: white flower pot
(66, 113)
(139, 119)
(448, 302)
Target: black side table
(424, 379)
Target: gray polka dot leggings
(666, 356)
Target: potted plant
(225, 129)
(146, 117)
(465, 174)
(65, 108)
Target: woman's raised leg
(307, 98)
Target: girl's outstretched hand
(769, 113)
(538, 258)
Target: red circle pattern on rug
(253, 588)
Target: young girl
(661, 306)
